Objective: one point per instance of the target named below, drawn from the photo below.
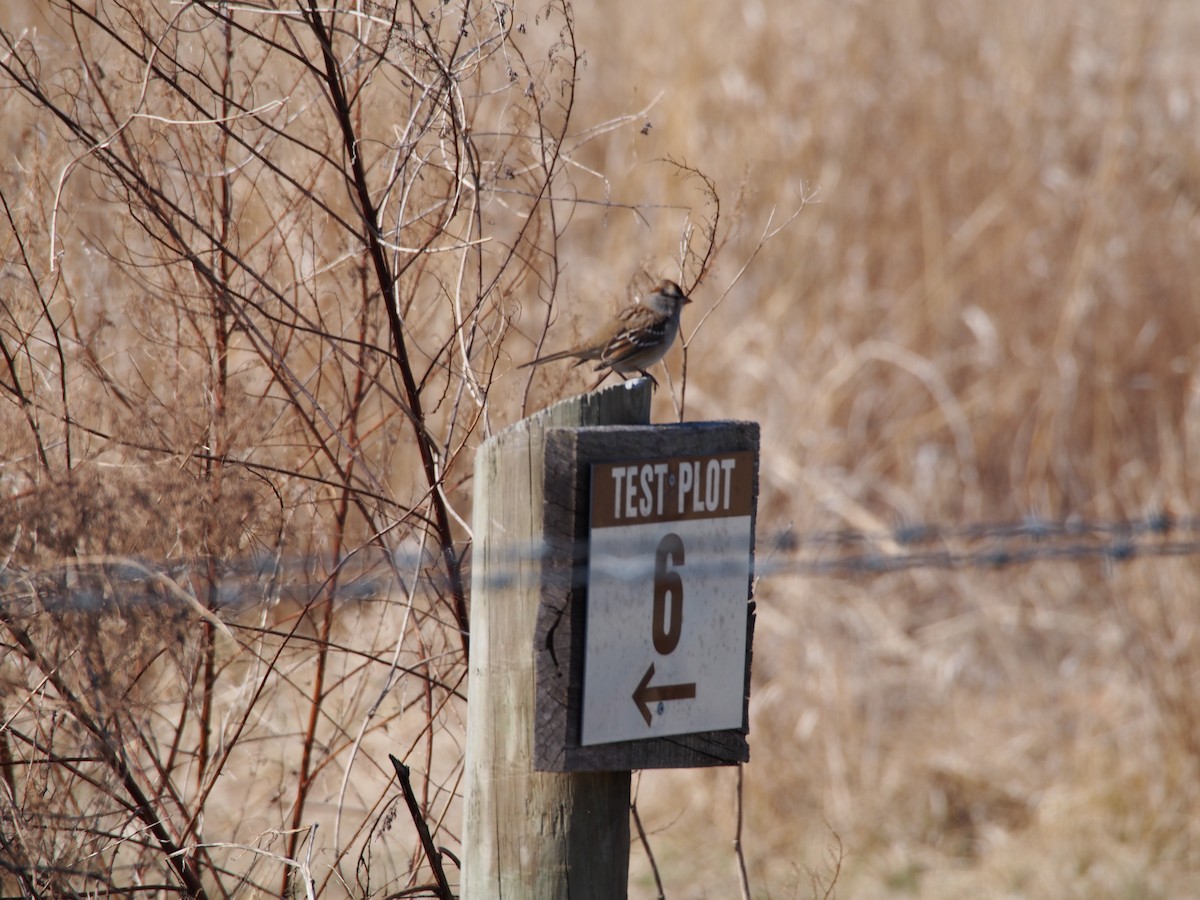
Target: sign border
(559, 635)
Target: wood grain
(529, 833)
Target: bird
(634, 339)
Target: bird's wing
(633, 340)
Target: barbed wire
(835, 553)
(1031, 527)
(979, 545)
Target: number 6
(667, 583)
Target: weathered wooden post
(530, 834)
(611, 630)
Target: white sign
(668, 584)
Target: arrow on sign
(644, 695)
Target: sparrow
(635, 338)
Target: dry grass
(987, 314)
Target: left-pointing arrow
(644, 695)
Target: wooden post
(530, 834)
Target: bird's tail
(551, 357)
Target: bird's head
(667, 298)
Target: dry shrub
(260, 267)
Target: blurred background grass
(986, 314)
(982, 312)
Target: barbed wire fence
(834, 553)
(978, 545)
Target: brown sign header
(672, 489)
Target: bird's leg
(642, 373)
(599, 381)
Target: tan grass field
(982, 312)
(988, 314)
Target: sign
(669, 562)
(645, 625)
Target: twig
(310, 883)
(738, 851)
(637, 822)
(431, 852)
